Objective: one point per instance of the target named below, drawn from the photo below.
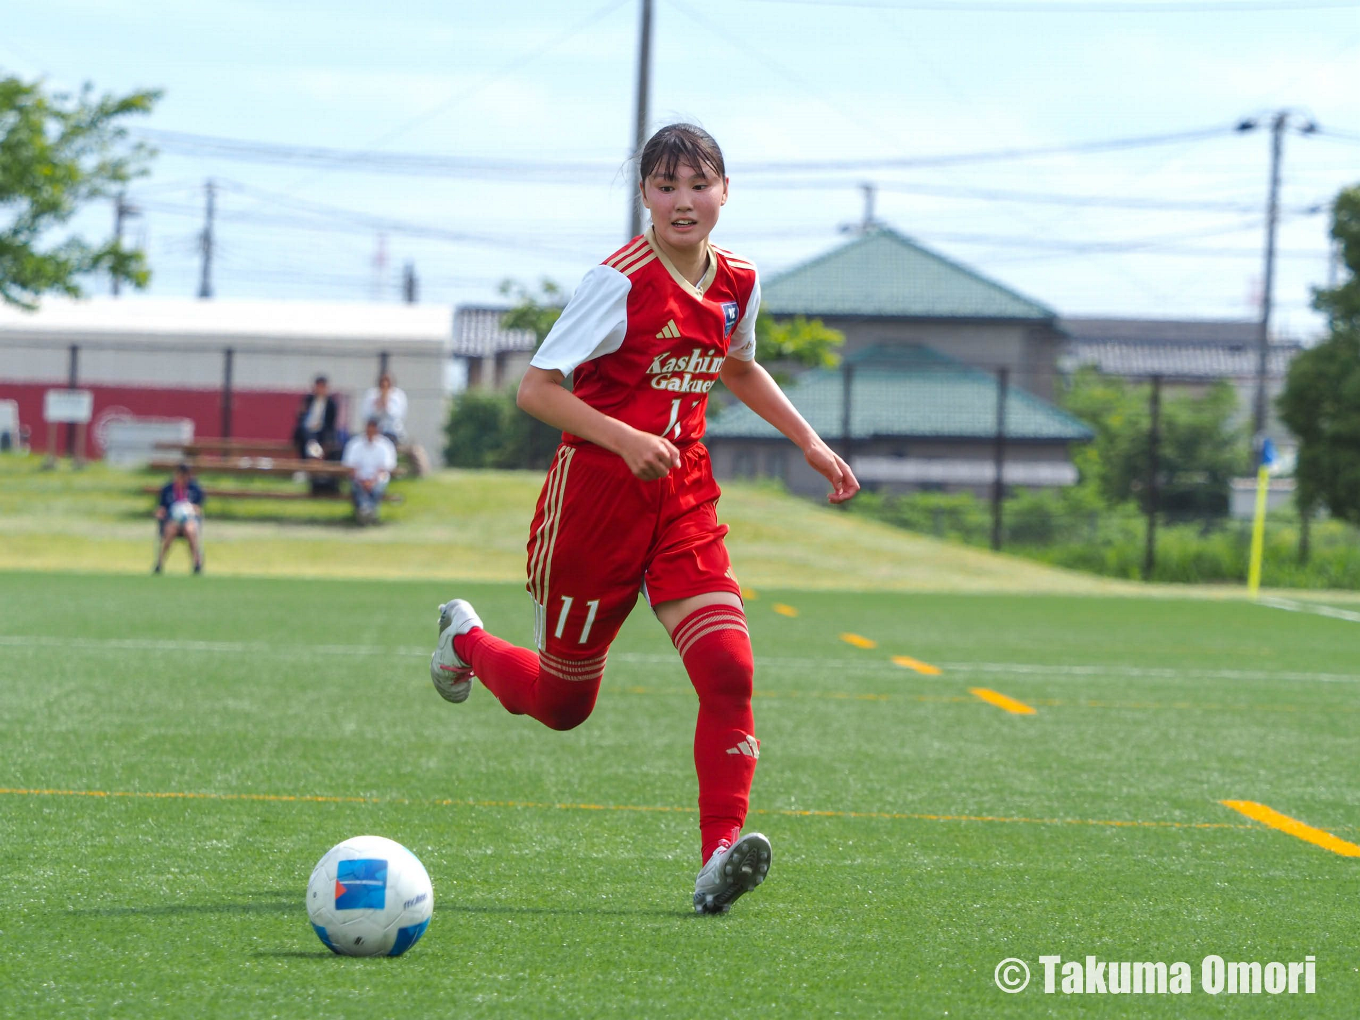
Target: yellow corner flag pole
(1258, 527)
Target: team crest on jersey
(730, 313)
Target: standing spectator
(314, 435)
(371, 459)
(387, 403)
(180, 513)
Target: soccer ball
(369, 896)
(182, 511)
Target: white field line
(1309, 607)
(763, 663)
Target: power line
(1335, 135)
(437, 165)
(1035, 197)
(460, 97)
(997, 155)
(1079, 6)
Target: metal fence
(992, 456)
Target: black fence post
(1154, 444)
(72, 381)
(382, 361)
(228, 357)
(999, 456)
(847, 402)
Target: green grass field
(178, 753)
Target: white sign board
(75, 406)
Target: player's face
(685, 207)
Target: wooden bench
(256, 466)
(276, 449)
(394, 498)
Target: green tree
(57, 153)
(1202, 445)
(1321, 399)
(799, 341)
(536, 312)
(807, 343)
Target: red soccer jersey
(646, 345)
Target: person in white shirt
(371, 459)
(387, 403)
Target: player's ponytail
(679, 143)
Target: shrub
(487, 430)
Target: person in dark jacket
(180, 513)
(315, 434)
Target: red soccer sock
(558, 693)
(715, 647)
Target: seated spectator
(371, 459)
(315, 435)
(387, 403)
(180, 513)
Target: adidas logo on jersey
(671, 332)
(749, 747)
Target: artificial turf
(921, 835)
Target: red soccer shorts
(600, 534)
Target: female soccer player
(630, 502)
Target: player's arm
(752, 385)
(542, 395)
(594, 324)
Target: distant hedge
(1068, 528)
(487, 430)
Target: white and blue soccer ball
(182, 511)
(369, 896)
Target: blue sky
(546, 89)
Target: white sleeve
(743, 346)
(593, 323)
(389, 455)
(351, 453)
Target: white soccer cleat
(452, 676)
(731, 872)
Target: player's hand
(649, 457)
(827, 463)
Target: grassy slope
(469, 525)
(150, 907)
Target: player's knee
(731, 680)
(569, 715)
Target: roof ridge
(967, 293)
(903, 239)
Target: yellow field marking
(1151, 706)
(858, 640)
(784, 610)
(1269, 816)
(194, 796)
(647, 808)
(833, 695)
(750, 594)
(1001, 701)
(907, 662)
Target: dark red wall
(255, 414)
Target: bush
(487, 430)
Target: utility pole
(410, 285)
(640, 122)
(1279, 122)
(122, 210)
(869, 190)
(205, 288)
